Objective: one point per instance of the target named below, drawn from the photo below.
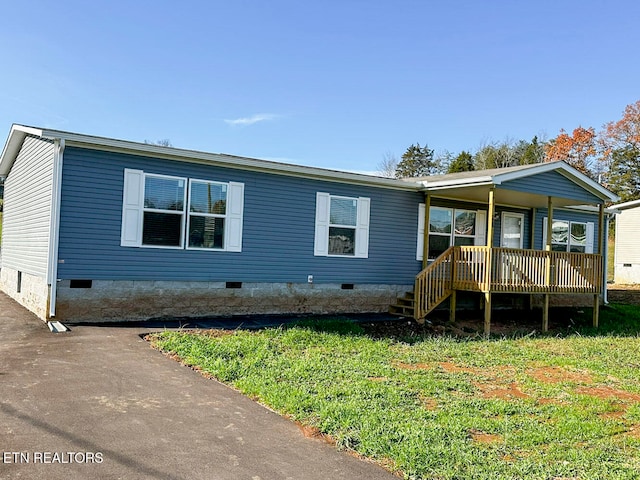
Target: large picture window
(161, 211)
(342, 226)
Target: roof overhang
(19, 132)
(476, 185)
(627, 205)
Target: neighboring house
(101, 229)
(627, 243)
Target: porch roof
(524, 185)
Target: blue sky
(335, 84)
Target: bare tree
(388, 165)
(165, 142)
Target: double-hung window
(449, 227)
(163, 217)
(207, 214)
(161, 211)
(342, 226)
(567, 236)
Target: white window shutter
(321, 245)
(362, 229)
(420, 242)
(590, 242)
(235, 210)
(481, 228)
(132, 208)
(544, 233)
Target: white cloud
(259, 117)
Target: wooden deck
(504, 270)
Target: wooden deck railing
(433, 284)
(506, 270)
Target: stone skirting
(117, 300)
(32, 291)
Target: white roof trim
(19, 132)
(498, 178)
(625, 205)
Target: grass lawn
(541, 407)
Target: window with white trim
(162, 211)
(567, 236)
(207, 214)
(342, 226)
(449, 226)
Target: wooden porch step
(404, 306)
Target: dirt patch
(617, 415)
(559, 374)
(504, 323)
(609, 393)
(628, 294)
(634, 431)
(453, 368)
(429, 403)
(313, 432)
(483, 437)
(502, 392)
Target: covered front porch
(560, 256)
(504, 270)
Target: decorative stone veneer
(33, 294)
(117, 300)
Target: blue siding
(554, 184)
(278, 237)
(569, 215)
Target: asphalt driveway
(98, 402)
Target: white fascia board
(467, 182)
(625, 205)
(526, 172)
(564, 169)
(12, 147)
(244, 163)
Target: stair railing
(433, 284)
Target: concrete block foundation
(121, 300)
(31, 291)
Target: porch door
(512, 230)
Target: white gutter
(54, 225)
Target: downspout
(54, 225)
(605, 290)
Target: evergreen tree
(417, 161)
(462, 163)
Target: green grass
(444, 408)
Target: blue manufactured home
(103, 229)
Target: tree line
(610, 156)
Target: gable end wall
(27, 209)
(554, 184)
